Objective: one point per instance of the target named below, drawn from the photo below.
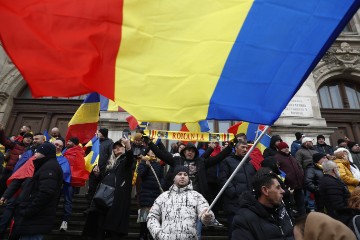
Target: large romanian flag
(83, 124)
(174, 61)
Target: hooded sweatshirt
(174, 214)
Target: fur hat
(104, 132)
(74, 140)
(318, 156)
(47, 149)
(306, 139)
(282, 145)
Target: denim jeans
(198, 228)
(68, 192)
(32, 237)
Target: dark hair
(241, 142)
(39, 133)
(263, 177)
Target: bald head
(59, 145)
(55, 132)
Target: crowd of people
(301, 191)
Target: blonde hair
(111, 162)
(354, 200)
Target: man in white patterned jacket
(174, 213)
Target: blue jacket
(296, 145)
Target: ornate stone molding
(341, 59)
(3, 97)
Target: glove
(146, 139)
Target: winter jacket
(75, 156)
(294, 173)
(174, 213)
(305, 156)
(198, 163)
(105, 153)
(295, 146)
(149, 190)
(313, 174)
(346, 175)
(16, 149)
(346, 215)
(240, 183)
(116, 218)
(38, 200)
(324, 148)
(255, 222)
(333, 193)
(272, 150)
(356, 158)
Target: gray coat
(305, 156)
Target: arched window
(340, 94)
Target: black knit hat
(74, 140)
(180, 169)
(318, 156)
(28, 135)
(104, 132)
(351, 144)
(47, 149)
(320, 136)
(298, 135)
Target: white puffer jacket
(174, 213)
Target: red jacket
(16, 149)
(75, 156)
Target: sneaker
(63, 226)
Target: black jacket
(346, 215)
(201, 164)
(272, 150)
(38, 199)
(116, 218)
(105, 153)
(324, 148)
(333, 193)
(149, 190)
(255, 222)
(313, 174)
(240, 183)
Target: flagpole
(238, 167)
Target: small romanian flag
(93, 157)
(83, 124)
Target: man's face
(321, 141)
(39, 155)
(181, 179)
(55, 132)
(38, 140)
(119, 150)
(308, 144)
(343, 144)
(241, 150)
(27, 141)
(274, 193)
(138, 142)
(190, 154)
(355, 148)
(58, 145)
(322, 160)
(285, 150)
(99, 134)
(70, 144)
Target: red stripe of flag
(84, 132)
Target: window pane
(325, 97)
(352, 97)
(335, 96)
(223, 126)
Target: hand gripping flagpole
(239, 166)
